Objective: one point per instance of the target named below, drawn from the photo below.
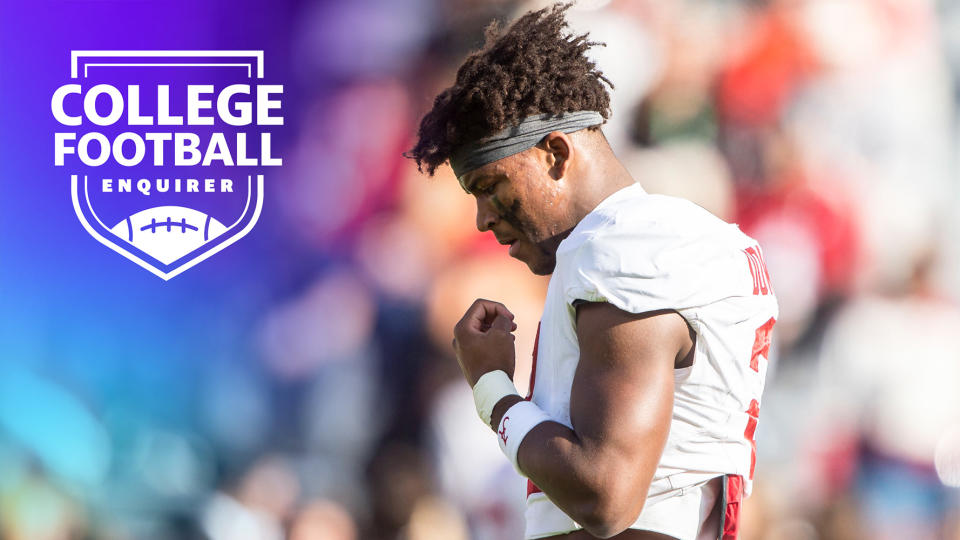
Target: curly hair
(536, 67)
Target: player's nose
(486, 217)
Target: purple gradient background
(66, 297)
(76, 313)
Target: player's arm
(621, 403)
(599, 472)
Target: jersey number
(761, 345)
(758, 271)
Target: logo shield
(167, 149)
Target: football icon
(167, 233)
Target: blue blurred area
(53, 425)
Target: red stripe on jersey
(731, 514)
(532, 488)
(753, 417)
(533, 369)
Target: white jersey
(643, 252)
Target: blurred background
(301, 385)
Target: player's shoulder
(640, 226)
(644, 252)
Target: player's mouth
(514, 247)
(512, 242)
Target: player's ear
(559, 148)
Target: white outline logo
(81, 64)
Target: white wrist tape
(489, 390)
(514, 426)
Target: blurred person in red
(652, 348)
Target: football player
(652, 348)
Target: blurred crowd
(827, 129)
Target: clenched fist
(483, 340)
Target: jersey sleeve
(639, 273)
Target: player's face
(523, 206)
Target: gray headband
(523, 136)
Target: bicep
(622, 396)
